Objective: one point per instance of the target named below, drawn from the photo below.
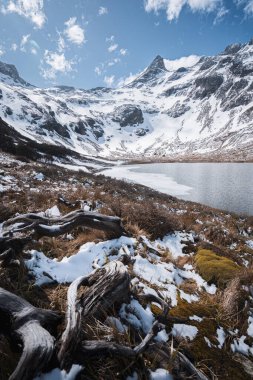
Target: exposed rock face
(194, 105)
(178, 110)
(12, 72)
(208, 85)
(154, 70)
(128, 115)
(52, 125)
(232, 49)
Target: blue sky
(89, 43)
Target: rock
(53, 126)
(128, 115)
(8, 111)
(178, 110)
(176, 90)
(151, 73)
(11, 71)
(80, 128)
(232, 49)
(241, 70)
(141, 131)
(241, 100)
(207, 64)
(209, 85)
(96, 128)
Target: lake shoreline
(219, 186)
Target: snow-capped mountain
(193, 107)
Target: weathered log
(27, 324)
(101, 347)
(106, 286)
(44, 226)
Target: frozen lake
(228, 186)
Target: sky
(90, 43)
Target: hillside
(103, 279)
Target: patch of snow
(184, 331)
(160, 374)
(57, 374)
(208, 342)
(116, 323)
(249, 243)
(175, 64)
(250, 328)
(135, 314)
(134, 376)
(196, 318)
(221, 336)
(53, 212)
(239, 345)
(39, 176)
(162, 336)
(90, 255)
(173, 243)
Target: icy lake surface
(227, 186)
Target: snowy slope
(192, 106)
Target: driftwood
(106, 286)
(44, 226)
(27, 324)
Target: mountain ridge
(190, 108)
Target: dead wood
(27, 325)
(52, 227)
(105, 287)
(101, 347)
(66, 202)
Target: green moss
(215, 269)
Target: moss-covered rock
(215, 269)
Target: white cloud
(249, 7)
(102, 11)
(14, 47)
(98, 71)
(112, 48)
(30, 9)
(109, 80)
(173, 8)
(110, 39)
(57, 63)
(123, 51)
(220, 14)
(34, 47)
(114, 62)
(74, 32)
(61, 43)
(24, 41)
(27, 44)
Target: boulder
(128, 115)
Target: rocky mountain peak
(11, 71)
(157, 64)
(150, 74)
